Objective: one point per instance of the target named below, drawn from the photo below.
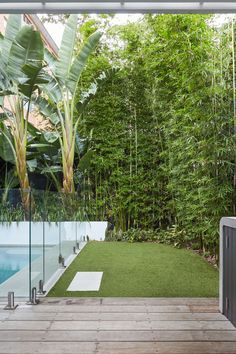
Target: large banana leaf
(33, 131)
(27, 48)
(4, 116)
(32, 165)
(36, 77)
(50, 59)
(5, 85)
(66, 49)
(51, 137)
(12, 28)
(1, 41)
(47, 109)
(81, 60)
(39, 144)
(6, 144)
(53, 90)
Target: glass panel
(52, 249)
(68, 224)
(37, 249)
(14, 242)
(37, 230)
(81, 231)
(51, 234)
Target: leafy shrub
(138, 235)
(112, 235)
(173, 236)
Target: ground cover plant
(142, 269)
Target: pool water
(13, 259)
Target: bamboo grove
(162, 153)
(154, 145)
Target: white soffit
(129, 6)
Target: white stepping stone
(86, 281)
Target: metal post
(60, 258)
(74, 250)
(33, 297)
(63, 263)
(10, 301)
(41, 291)
(34, 300)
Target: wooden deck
(117, 325)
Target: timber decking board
(132, 301)
(118, 336)
(108, 309)
(121, 347)
(117, 325)
(117, 316)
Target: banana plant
(21, 73)
(59, 101)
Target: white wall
(17, 233)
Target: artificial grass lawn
(141, 269)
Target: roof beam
(114, 1)
(130, 6)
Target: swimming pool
(13, 259)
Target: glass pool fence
(39, 233)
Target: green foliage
(197, 122)
(59, 102)
(163, 131)
(44, 206)
(154, 149)
(21, 62)
(55, 207)
(133, 235)
(173, 236)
